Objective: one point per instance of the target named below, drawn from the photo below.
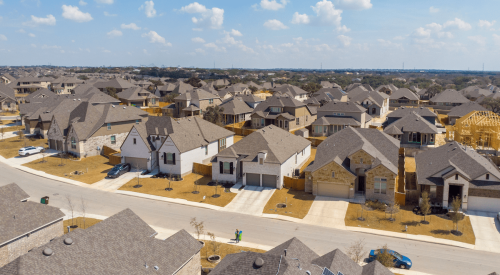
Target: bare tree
(199, 227)
(136, 166)
(425, 205)
(83, 208)
(71, 207)
(392, 209)
(2, 132)
(356, 251)
(215, 244)
(456, 216)
(44, 155)
(385, 258)
(21, 135)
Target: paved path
(10, 125)
(250, 200)
(7, 135)
(327, 211)
(486, 229)
(20, 160)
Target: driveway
(250, 200)
(328, 212)
(112, 185)
(20, 160)
(486, 229)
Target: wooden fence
(115, 158)
(202, 169)
(293, 183)
(400, 198)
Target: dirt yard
(82, 224)
(224, 249)
(9, 147)
(298, 203)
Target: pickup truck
(30, 150)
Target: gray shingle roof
(198, 94)
(464, 109)
(393, 130)
(334, 106)
(338, 120)
(413, 122)
(475, 91)
(449, 96)
(6, 91)
(404, 93)
(359, 94)
(329, 94)
(117, 83)
(135, 93)
(235, 106)
(291, 90)
(404, 111)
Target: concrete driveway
(486, 229)
(111, 185)
(250, 200)
(20, 160)
(328, 212)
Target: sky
(328, 34)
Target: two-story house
(8, 100)
(195, 103)
(413, 131)
(403, 96)
(27, 85)
(138, 97)
(65, 85)
(236, 110)
(401, 112)
(387, 89)
(292, 91)
(328, 94)
(335, 116)
(6, 79)
(355, 161)
(119, 84)
(376, 103)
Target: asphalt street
(427, 257)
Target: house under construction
(478, 129)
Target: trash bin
(44, 200)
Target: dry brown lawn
(443, 119)
(9, 113)
(82, 224)
(439, 226)
(410, 166)
(182, 189)
(9, 147)
(298, 203)
(224, 249)
(237, 138)
(94, 168)
(11, 128)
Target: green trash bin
(44, 200)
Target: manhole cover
(281, 205)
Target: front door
(241, 169)
(455, 191)
(361, 184)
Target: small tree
(425, 205)
(364, 207)
(199, 227)
(83, 208)
(215, 244)
(385, 258)
(356, 251)
(71, 208)
(111, 91)
(44, 155)
(456, 216)
(392, 209)
(136, 166)
(2, 132)
(21, 135)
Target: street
(427, 257)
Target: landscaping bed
(9, 147)
(90, 170)
(440, 226)
(298, 203)
(224, 249)
(183, 189)
(80, 222)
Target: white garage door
(269, 181)
(333, 190)
(483, 204)
(137, 162)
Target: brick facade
(485, 193)
(380, 171)
(324, 174)
(193, 267)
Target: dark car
(118, 170)
(399, 260)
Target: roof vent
(74, 99)
(421, 107)
(259, 262)
(156, 267)
(113, 106)
(68, 241)
(79, 100)
(48, 252)
(124, 107)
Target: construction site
(478, 129)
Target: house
(7, 79)
(387, 89)
(462, 110)
(165, 89)
(105, 248)
(172, 145)
(283, 111)
(294, 258)
(236, 89)
(335, 116)
(40, 96)
(403, 96)
(27, 85)
(25, 224)
(413, 131)
(329, 94)
(119, 84)
(376, 103)
(195, 103)
(401, 112)
(85, 130)
(65, 85)
(262, 158)
(138, 97)
(475, 92)
(8, 100)
(354, 161)
(358, 85)
(453, 170)
(292, 91)
(236, 110)
(328, 84)
(448, 97)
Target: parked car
(119, 170)
(400, 261)
(30, 150)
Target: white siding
(483, 177)
(169, 147)
(465, 190)
(138, 150)
(266, 168)
(217, 176)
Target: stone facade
(383, 172)
(485, 193)
(90, 146)
(324, 174)
(193, 267)
(25, 243)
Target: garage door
(483, 204)
(253, 179)
(333, 190)
(137, 162)
(269, 181)
(52, 144)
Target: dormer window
(275, 110)
(109, 126)
(261, 161)
(456, 177)
(487, 176)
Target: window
(113, 139)
(333, 174)
(210, 101)
(487, 176)
(227, 168)
(170, 158)
(222, 144)
(262, 122)
(153, 101)
(456, 177)
(431, 138)
(206, 150)
(275, 110)
(380, 185)
(136, 121)
(135, 141)
(261, 161)
(109, 126)
(73, 143)
(432, 193)
(361, 160)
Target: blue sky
(445, 34)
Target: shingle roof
(404, 111)
(404, 93)
(235, 106)
(464, 109)
(6, 91)
(413, 122)
(278, 101)
(337, 120)
(135, 93)
(117, 83)
(291, 90)
(336, 260)
(449, 96)
(329, 94)
(359, 94)
(347, 107)
(393, 130)
(198, 94)
(475, 91)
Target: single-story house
(462, 110)
(403, 96)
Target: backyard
(80, 222)
(94, 168)
(224, 249)
(9, 147)
(439, 226)
(182, 189)
(298, 203)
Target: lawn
(9, 113)
(11, 128)
(80, 222)
(298, 203)
(439, 226)
(182, 189)
(9, 147)
(224, 249)
(94, 168)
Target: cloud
(487, 24)
(300, 18)
(106, 51)
(32, 35)
(343, 29)
(149, 8)
(496, 38)
(114, 33)
(275, 25)
(3, 37)
(433, 10)
(354, 4)
(389, 44)
(345, 40)
(50, 20)
(131, 26)
(458, 23)
(109, 14)
(236, 33)
(215, 47)
(51, 47)
(1, 2)
(109, 2)
(33, 45)
(198, 40)
(74, 13)
(480, 40)
(82, 3)
(212, 18)
(273, 4)
(399, 37)
(154, 37)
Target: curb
(166, 199)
